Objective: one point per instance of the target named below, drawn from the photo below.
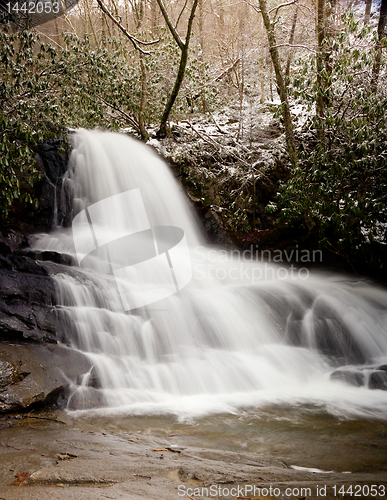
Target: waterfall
(239, 333)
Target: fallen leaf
(21, 478)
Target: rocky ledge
(37, 375)
(34, 369)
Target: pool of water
(304, 436)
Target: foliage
(45, 89)
(339, 189)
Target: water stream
(242, 334)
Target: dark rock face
(54, 198)
(53, 192)
(214, 228)
(352, 378)
(37, 374)
(27, 299)
(7, 374)
(377, 378)
(33, 369)
(212, 224)
(55, 165)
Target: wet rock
(350, 377)
(90, 379)
(187, 475)
(378, 380)
(58, 258)
(52, 161)
(7, 374)
(85, 398)
(51, 475)
(26, 265)
(27, 303)
(12, 240)
(332, 335)
(213, 225)
(94, 380)
(37, 375)
(65, 456)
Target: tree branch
(125, 115)
(132, 38)
(190, 21)
(181, 12)
(280, 6)
(257, 9)
(230, 68)
(175, 34)
(296, 46)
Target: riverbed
(283, 452)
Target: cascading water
(240, 334)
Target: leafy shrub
(45, 89)
(339, 189)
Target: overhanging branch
(132, 38)
(172, 29)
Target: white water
(237, 336)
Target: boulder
(27, 301)
(378, 380)
(37, 375)
(212, 224)
(354, 378)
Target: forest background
(273, 113)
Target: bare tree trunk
(320, 108)
(153, 7)
(144, 82)
(162, 132)
(201, 23)
(290, 142)
(103, 33)
(330, 34)
(144, 95)
(378, 56)
(57, 32)
(291, 40)
(140, 124)
(367, 13)
(91, 24)
(262, 100)
(241, 80)
(184, 46)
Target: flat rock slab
(46, 458)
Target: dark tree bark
(184, 47)
(140, 124)
(291, 41)
(367, 13)
(201, 23)
(290, 142)
(378, 55)
(320, 105)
